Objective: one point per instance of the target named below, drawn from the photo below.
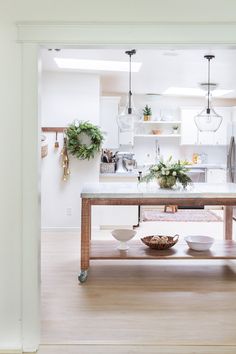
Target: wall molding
(60, 229)
(120, 33)
(32, 36)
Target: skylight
(197, 92)
(103, 65)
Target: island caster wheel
(83, 276)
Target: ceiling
(161, 68)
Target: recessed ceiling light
(103, 65)
(194, 92)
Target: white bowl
(199, 243)
(123, 235)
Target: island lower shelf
(107, 249)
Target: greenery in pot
(169, 173)
(147, 113)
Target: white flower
(167, 173)
(163, 172)
(174, 173)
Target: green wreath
(74, 144)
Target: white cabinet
(126, 138)
(216, 175)
(109, 106)
(191, 136)
(189, 131)
(224, 132)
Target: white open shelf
(158, 122)
(157, 135)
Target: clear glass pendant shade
(126, 122)
(127, 117)
(208, 122)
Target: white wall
(66, 97)
(12, 11)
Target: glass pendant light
(208, 120)
(128, 116)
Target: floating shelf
(158, 122)
(157, 136)
(108, 250)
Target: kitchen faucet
(157, 151)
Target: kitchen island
(199, 194)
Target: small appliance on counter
(125, 162)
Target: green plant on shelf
(147, 111)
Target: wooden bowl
(156, 131)
(147, 240)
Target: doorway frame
(32, 37)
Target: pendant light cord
(208, 93)
(130, 93)
(209, 57)
(130, 53)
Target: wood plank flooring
(109, 349)
(134, 306)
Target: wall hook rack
(54, 129)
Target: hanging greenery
(65, 160)
(77, 133)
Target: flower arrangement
(169, 173)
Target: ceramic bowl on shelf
(199, 243)
(123, 235)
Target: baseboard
(65, 229)
(113, 227)
(10, 351)
(60, 229)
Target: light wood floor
(182, 307)
(109, 349)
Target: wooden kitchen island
(199, 194)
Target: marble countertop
(152, 190)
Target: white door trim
(128, 33)
(34, 35)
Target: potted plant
(147, 113)
(168, 173)
(175, 129)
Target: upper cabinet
(191, 136)
(189, 131)
(109, 108)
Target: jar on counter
(195, 158)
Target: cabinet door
(189, 131)
(222, 135)
(206, 138)
(216, 175)
(108, 121)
